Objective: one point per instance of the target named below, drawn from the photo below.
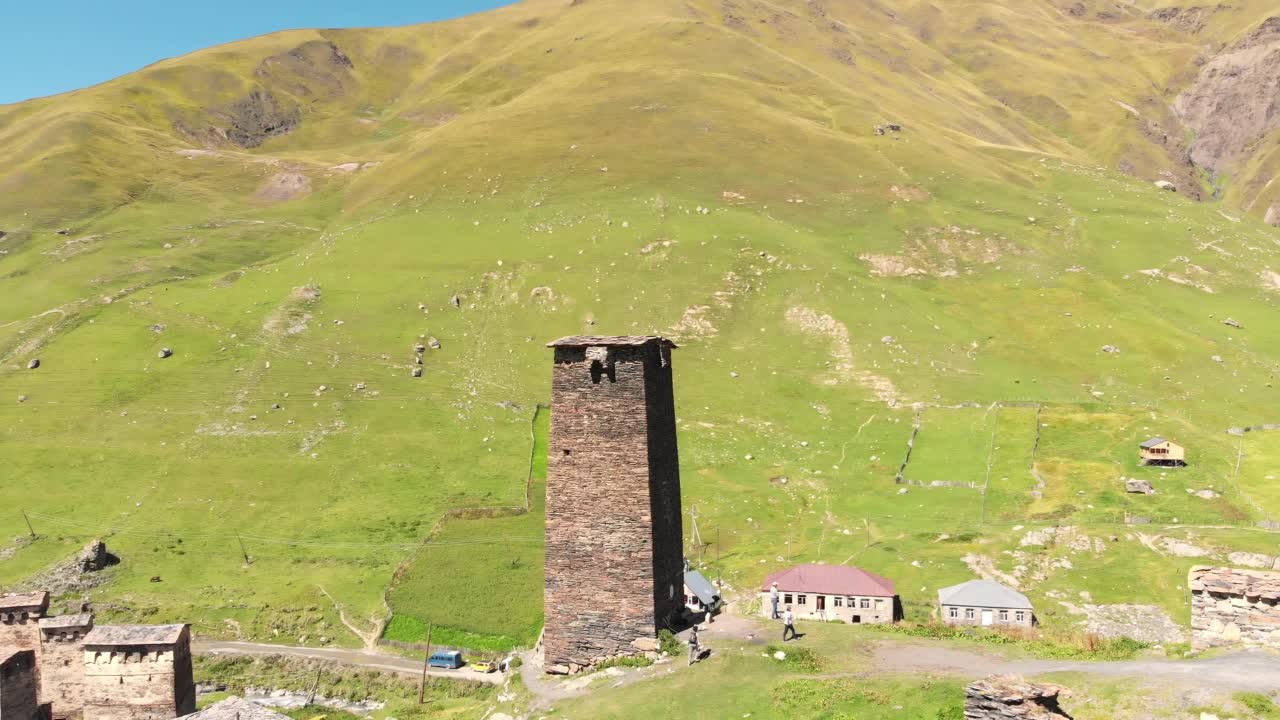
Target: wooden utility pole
(312, 697)
(31, 529)
(426, 661)
(243, 552)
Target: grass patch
(1037, 642)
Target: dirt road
(1247, 670)
(343, 656)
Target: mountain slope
(292, 214)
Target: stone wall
(1001, 697)
(18, 686)
(62, 668)
(138, 683)
(1234, 607)
(19, 634)
(614, 567)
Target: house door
(822, 603)
(987, 618)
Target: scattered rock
(1166, 185)
(455, 301)
(155, 578)
(157, 329)
(1139, 486)
(1216, 358)
(22, 398)
(903, 491)
(35, 363)
(433, 343)
(1206, 494)
(64, 231)
(888, 340)
(1110, 349)
(419, 348)
(1232, 323)
(165, 353)
(417, 372)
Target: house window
(802, 599)
(1021, 616)
(953, 612)
(787, 598)
(968, 613)
(837, 601)
(1004, 616)
(864, 603)
(853, 602)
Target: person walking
(773, 600)
(694, 648)
(788, 624)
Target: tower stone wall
(19, 686)
(614, 566)
(62, 663)
(19, 618)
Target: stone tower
(138, 672)
(614, 571)
(19, 615)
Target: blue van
(447, 659)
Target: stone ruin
(87, 672)
(1234, 607)
(1001, 697)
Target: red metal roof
(831, 580)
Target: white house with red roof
(832, 592)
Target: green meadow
(554, 169)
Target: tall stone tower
(614, 572)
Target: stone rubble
(1001, 697)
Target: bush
(1058, 645)
(800, 659)
(1259, 704)
(631, 661)
(955, 712)
(670, 644)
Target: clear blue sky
(52, 46)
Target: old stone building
(19, 699)
(18, 617)
(138, 672)
(1005, 697)
(1234, 607)
(62, 663)
(614, 568)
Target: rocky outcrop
(1187, 19)
(1001, 697)
(1235, 101)
(258, 117)
(1234, 607)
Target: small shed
(699, 594)
(1159, 451)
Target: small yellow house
(1159, 451)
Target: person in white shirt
(788, 624)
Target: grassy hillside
(291, 215)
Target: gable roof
(983, 593)
(118, 635)
(701, 587)
(831, 580)
(24, 600)
(609, 340)
(67, 622)
(1153, 442)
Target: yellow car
(484, 666)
